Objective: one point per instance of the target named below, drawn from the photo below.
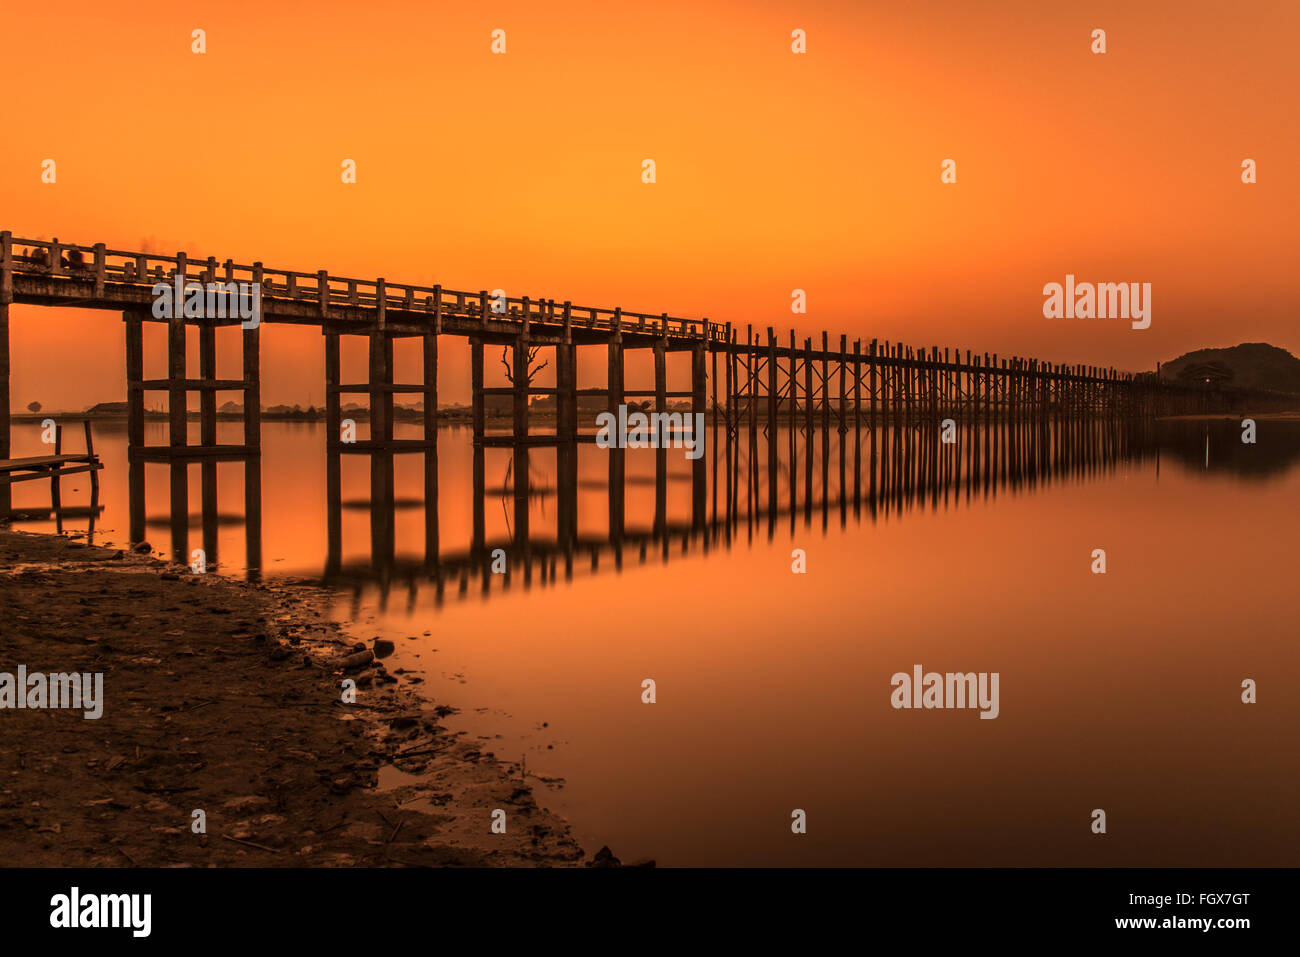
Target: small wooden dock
(55, 467)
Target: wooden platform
(53, 467)
(44, 466)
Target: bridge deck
(95, 277)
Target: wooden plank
(43, 461)
(165, 453)
(189, 385)
(13, 478)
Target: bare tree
(532, 372)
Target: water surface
(1118, 691)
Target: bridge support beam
(566, 451)
(6, 498)
(772, 410)
(617, 456)
(333, 462)
(430, 352)
(566, 393)
(178, 453)
(381, 445)
(661, 452)
(699, 466)
(478, 413)
(519, 375)
(134, 325)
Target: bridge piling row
(892, 389)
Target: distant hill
(1251, 365)
(107, 408)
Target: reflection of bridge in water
(871, 475)
(1019, 419)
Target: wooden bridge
(765, 379)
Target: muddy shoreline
(227, 698)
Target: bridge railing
(102, 266)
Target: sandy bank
(226, 698)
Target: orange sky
(775, 171)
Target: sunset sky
(776, 171)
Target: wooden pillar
(792, 425)
(94, 474)
(208, 373)
(380, 354)
(519, 370)
(208, 510)
(381, 397)
(6, 271)
(713, 433)
(56, 493)
(699, 477)
(826, 387)
(478, 416)
(134, 326)
(617, 456)
(661, 448)
(176, 393)
(751, 380)
(733, 431)
(730, 362)
(857, 421)
(809, 406)
(844, 394)
(179, 499)
(772, 389)
(566, 393)
(253, 445)
(614, 390)
(333, 400)
(871, 486)
(826, 423)
(430, 345)
(6, 497)
(661, 376)
(208, 438)
(333, 429)
(566, 452)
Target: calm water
(1118, 691)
